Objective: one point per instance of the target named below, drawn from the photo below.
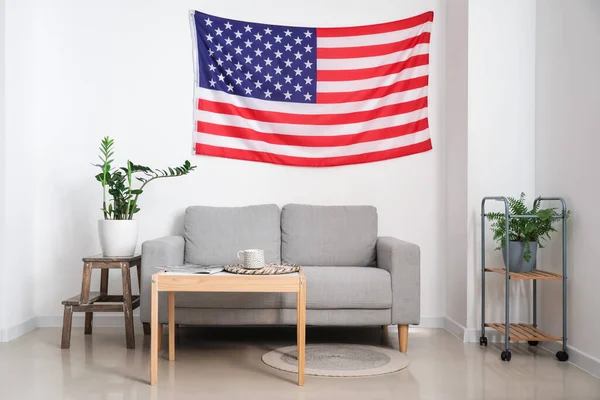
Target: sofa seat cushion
(344, 288)
(328, 235)
(326, 288)
(213, 235)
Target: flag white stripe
(312, 152)
(374, 39)
(310, 130)
(309, 109)
(370, 62)
(371, 83)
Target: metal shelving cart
(517, 331)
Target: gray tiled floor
(226, 364)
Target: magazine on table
(193, 269)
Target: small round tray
(268, 269)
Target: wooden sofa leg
(146, 326)
(384, 328)
(403, 337)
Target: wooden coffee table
(223, 282)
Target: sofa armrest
(160, 252)
(403, 261)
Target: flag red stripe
(372, 51)
(250, 155)
(312, 119)
(377, 28)
(367, 94)
(366, 73)
(313, 141)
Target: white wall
(490, 102)
(501, 135)
(567, 163)
(2, 189)
(89, 69)
(456, 158)
(21, 103)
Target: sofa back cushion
(213, 235)
(328, 235)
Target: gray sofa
(354, 277)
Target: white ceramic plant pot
(118, 238)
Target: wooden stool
(90, 302)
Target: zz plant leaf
(118, 182)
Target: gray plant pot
(516, 252)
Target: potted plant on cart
(525, 234)
(118, 230)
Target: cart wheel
(505, 355)
(533, 342)
(562, 356)
(483, 341)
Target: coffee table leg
(301, 328)
(160, 335)
(171, 326)
(154, 332)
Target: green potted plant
(118, 230)
(525, 234)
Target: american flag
(311, 97)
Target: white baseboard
(455, 328)
(431, 322)
(577, 357)
(471, 335)
(100, 321)
(6, 335)
(426, 322)
(116, 321)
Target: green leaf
(117, 182)
(523, 229)
(527, 253)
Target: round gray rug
(338, 360)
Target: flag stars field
(249, 50)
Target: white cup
(252, 258)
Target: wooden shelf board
(535, 274)
(75, 300)
(101, 302)
(524, 332)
